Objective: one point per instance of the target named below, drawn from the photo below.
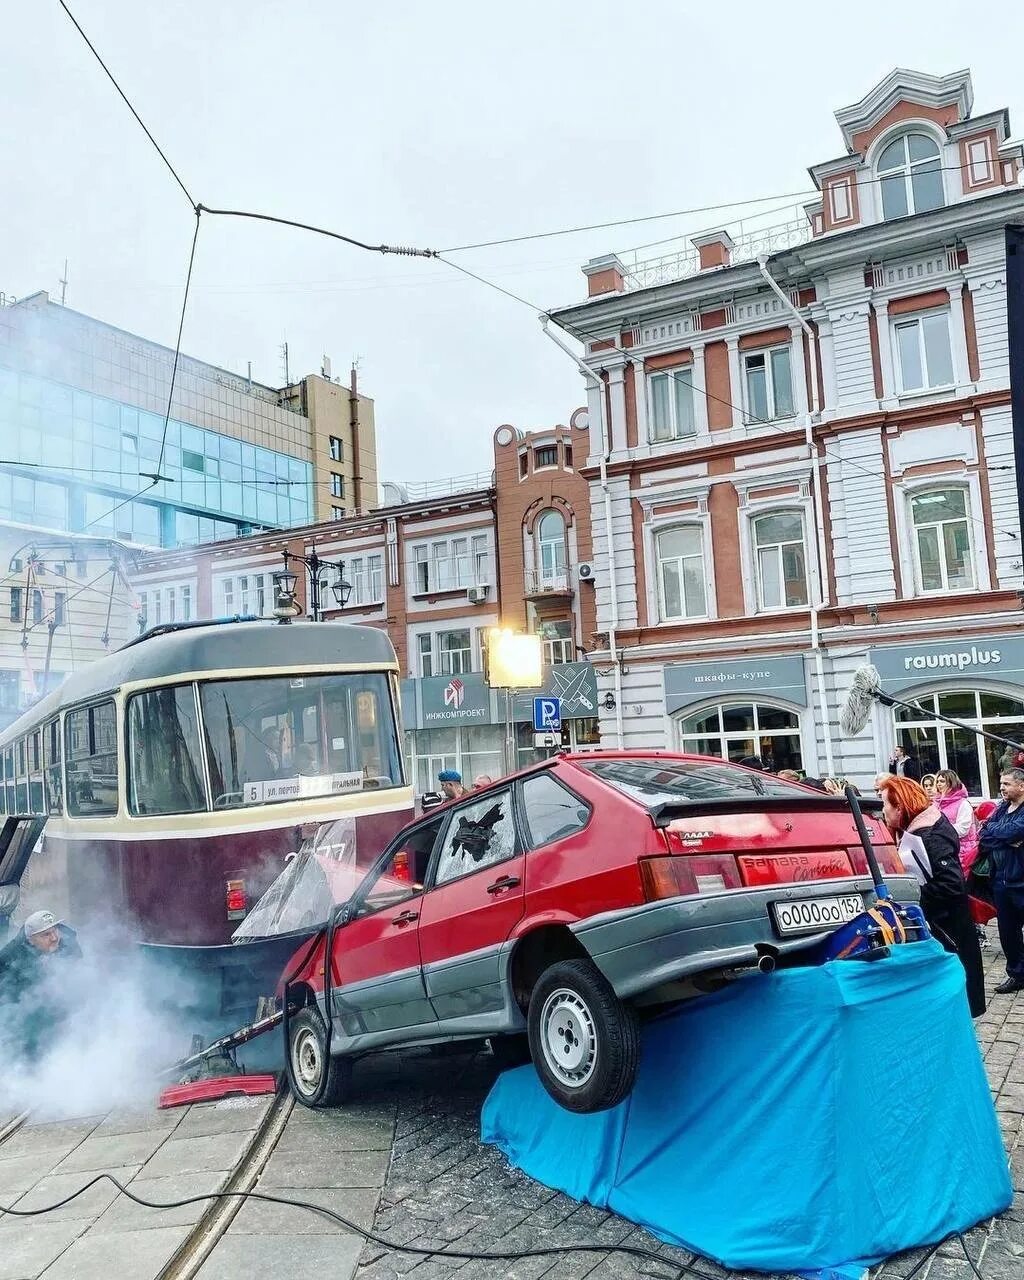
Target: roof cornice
(903, 85)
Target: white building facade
(801, 459)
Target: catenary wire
(405, 251)
(582, 335)
(127, 102)
(177, 345)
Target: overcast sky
(429, 124)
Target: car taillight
(888, 859)
(236, 899)
(676, 877)
(400, 867)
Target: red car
(559, 901)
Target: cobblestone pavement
(444, 1188)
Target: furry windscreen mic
(857, 708)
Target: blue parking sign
(547, 715)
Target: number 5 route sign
(547, 715)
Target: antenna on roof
(63, 282)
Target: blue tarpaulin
(806, 1119)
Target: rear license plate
(810, 915)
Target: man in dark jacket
(1002, 839)
(904, 766)
(36, 955)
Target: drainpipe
(613, 628)
(818, 594)
(357, 457)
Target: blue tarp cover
(809, 1118)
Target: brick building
(800, 457)
(436, 566)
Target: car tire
(585, 1043)
(316, 1077)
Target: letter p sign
(547, 715)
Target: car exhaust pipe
(766, 962)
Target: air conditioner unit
(477, 595)
(585, 571)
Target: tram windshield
(265, 740)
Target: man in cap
(451, 784)
(41, 941)
(37, 954)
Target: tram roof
(229, 646)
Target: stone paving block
(131, 1255)
(27, 1247)
(126, 1215)
(90, 1204)
(317, 1167)
(258, 1218)
(136, 1121)
(24, 1172)
(286, 1257)
(104, 1151)
(233, 1115)
(353, 1135)
(197, 1155)
(58, 1140)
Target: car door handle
(505, 882)
(407, 917)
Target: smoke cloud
(92, 1035)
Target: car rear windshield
(660, 782)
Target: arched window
(551, 546)
(780, 560)
(733, 730)
(911, 176)
(682, 575)
(942, 540)
(939, 745)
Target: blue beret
(449, 775)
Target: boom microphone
(857, 708)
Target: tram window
(165, 762)
(35, 773)
(294, 737)
(21, 771)
(51, 764)
(90, 750)
(9, 789)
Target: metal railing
(748, 244)
(419, 490)
(559, 580)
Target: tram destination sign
(299, 788)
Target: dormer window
(910, 176)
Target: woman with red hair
(930, 849)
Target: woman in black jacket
(930, 849)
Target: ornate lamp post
(285, 582)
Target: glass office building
(81, 424)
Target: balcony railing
(748, 244)
(542, 581)
(394, 492)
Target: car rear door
(474, 903)
(376, 974)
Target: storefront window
(938, 745)
(733, 730)
(472, 750)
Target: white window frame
(559, 649)
(945, 588)
(904, 322)
(671, 375)
(769, 377)
(906, 170)
(903, 491)
(463, 557)
(552, 568)
(260, 594)
(841, 187)
(760, 513)
(444, 665)
(663, 615)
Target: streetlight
(286, 580)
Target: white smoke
(94, 1034)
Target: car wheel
(317, 1078)
(583, 1040)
